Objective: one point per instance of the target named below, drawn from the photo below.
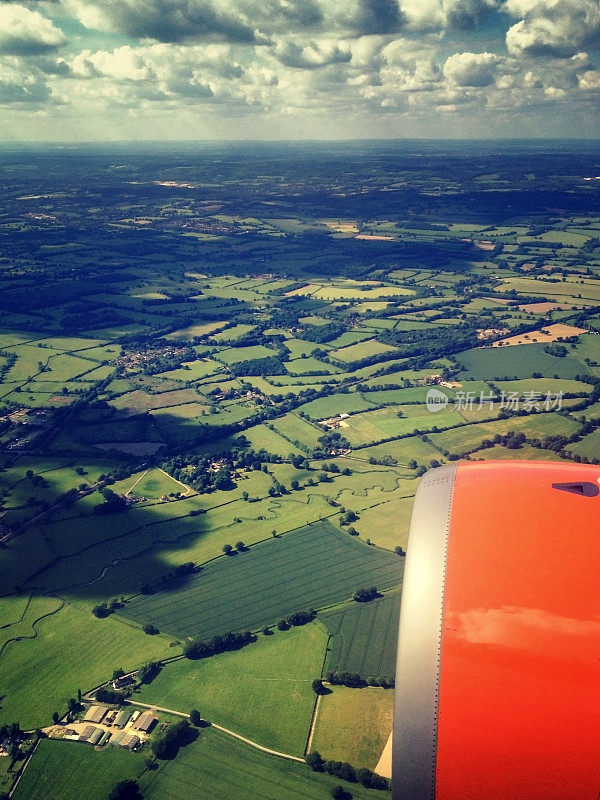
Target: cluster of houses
(130, 728)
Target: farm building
(96, 736)
(117, 739)
(146, 722)
(105, 737)
(122, 718)
(87, 732)
(130, 741)
(119, 683)
(95, 713)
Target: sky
(102, 70)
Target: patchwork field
(270, 581)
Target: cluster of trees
(322, 333)
(366, 595)
(149, 671)
(344, 770)
(355, 681)
(112, 502)
(271, 365)
(176, 736)
(104, 695)
(218, 644)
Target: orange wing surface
(498, 685)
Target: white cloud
(471, 69)
(311, 55)
(25, 32)
(552, 27)
(589, 81)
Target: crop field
(185, 381)
(354, 725)
(589, 446)
(262, 691)
(298, 430)
(373, 426)
(520, 361)
(314, 566)
(334, 405)
(534, 426)
(50, 775)
(364, 636)
(301, 366)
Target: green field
(518, 361)
(73, 650)
(262, 692)
(364, 637)
(217, 767)
(354, 725)
(50, 776)
(314, 566)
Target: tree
(315, 761)
(339, 793)
(228, 549)
(149, 671)
(150, 629)
(126, 790)
(195, 717)
(55, 717)
(118, 673)
(317, 686)
(73, 705)
(240, 546)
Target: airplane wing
(498, 675)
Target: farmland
(262, 691)
(232, 351)
(364, 637)
(315, 566)
(354, 725)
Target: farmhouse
(87, 733)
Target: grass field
(520, 361)
(589, 446)
(233, 355)
(262, 692)
(364, 636)
(51, 774)
(314, 566)
(534, 426)
(354, 725)
(73, 650)
(356, 352)
(335, 404)
(217, 767)
(387, 523)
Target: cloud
(312, 55)
(378, 16)
(467, 14)
(168, 20)
(424, 15)
(123, 64)
(550, 27)
(25, 32)
(471, 69)
(589, 81)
